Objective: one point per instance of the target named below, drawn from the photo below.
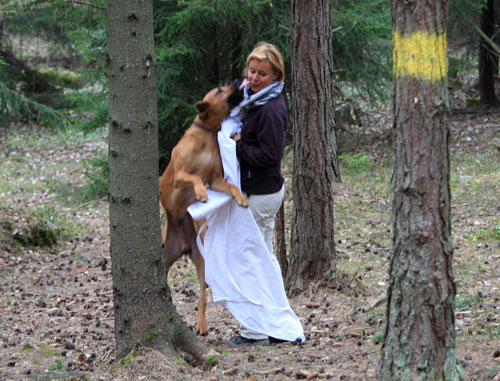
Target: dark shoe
(273, 340)
(240, 340)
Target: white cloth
(238, 267)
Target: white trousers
(264, 209)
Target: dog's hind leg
(199, 262)
(173, 243)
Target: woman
(260, 144)
(259, 148)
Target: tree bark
(488, 58)
(419, 338)
(280, 240)
(312, 237)
(143, 308)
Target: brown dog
(196, 161)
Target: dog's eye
(219, 90)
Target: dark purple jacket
(261, 146)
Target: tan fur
(195, 161)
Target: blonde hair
(264, 51)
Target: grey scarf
(261, 97)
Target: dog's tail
(179, 234)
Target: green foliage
(179, 360)
(362, 54)
(210, 362)
(378, 337)
(15, 104)
(462, 302)
(129, 358)
(463, 16)
(58, 365)
(27, 348)
(86, 30)
(465, 10)
(96, 186)
(47, 351)
(66, 34)
(151, 335)
(356, 163)
(97, 174)
(56, 221)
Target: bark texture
(312, 253)
(419, 339)
(488, 58)
(143, 308)
(280, 240)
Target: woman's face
(260, 74)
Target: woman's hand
(236, 137)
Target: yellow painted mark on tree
(420, 55)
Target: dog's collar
(204, 127)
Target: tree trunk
(488, 58)
(280, 240)
(419, 338)
(143, 308)
(312, 238)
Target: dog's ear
(202, 109)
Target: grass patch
(179, 360)
(474, 179)
(27, 348)
(96, 186)
(378, 337)
(54, 218)
(462, 302)
(210, 362)
(58, 365)
(129, 358)
(465, 302)
(38, 232)
(489, 234)
(47, 351)
(354, 163)
(151, 335)
(474, 165)
(97, 175)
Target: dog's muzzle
(236, 95)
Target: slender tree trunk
(143, 308)
(488, 58)
(419, 341)
(312, 240)
(280, 240)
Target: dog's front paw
(202, 199)
(242, 201)
(201, 195)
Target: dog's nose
(236, 94)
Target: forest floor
(56, 308)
